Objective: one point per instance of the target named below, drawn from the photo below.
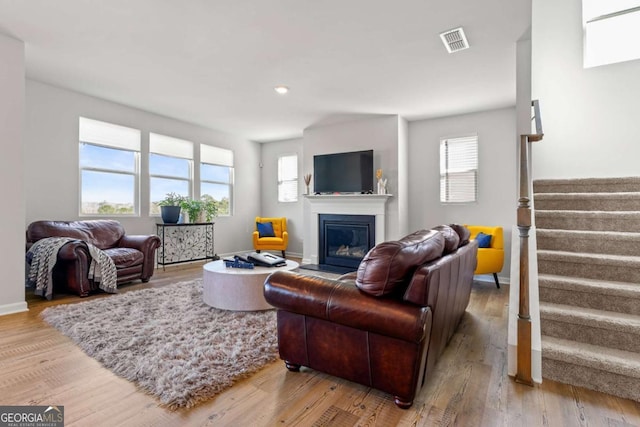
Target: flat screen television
(343, 172)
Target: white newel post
(343, 204)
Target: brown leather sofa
(133, 256)
(386, 325)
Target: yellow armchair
(280, 239)
(491, 259)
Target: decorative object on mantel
(169, 342)
(382, 183)
(307, 181)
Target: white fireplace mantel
(344, 204)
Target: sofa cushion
(125, 257)
(451, 238)
(463, 232)
(386, 267)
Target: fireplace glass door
(345, 239)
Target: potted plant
(170, 208)
(193, 208)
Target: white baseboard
(488, 278)
(16, 307)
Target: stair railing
(523, 372)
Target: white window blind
(288, 178)
(216, 155)
(109, 135)
(459, 169)
(169, 146)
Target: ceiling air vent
(454, 40)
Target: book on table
(266, 259)
(262, 259)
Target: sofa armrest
(147, 244)
(76, 259)
(76, 250)
(144, 243)
(342, 303)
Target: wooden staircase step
(588, 220)
(587, 185)
(602, 242)
(618, 268)
(620, 297)
(604, 328)
(622, 201)
(611, 371)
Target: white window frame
(217, 156)
(289, 180)
(458, 155)
(99, 133)
(175, 148)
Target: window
(288, 178)
(459, 169)
(109, 165)
(216, 177)
(611, 31)
(170, 161)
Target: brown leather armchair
(132, 255)
(386, 325)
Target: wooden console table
(184, 242)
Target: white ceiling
(215, 63)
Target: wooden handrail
(523, 372)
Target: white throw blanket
(42, 257)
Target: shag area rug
(169, 342)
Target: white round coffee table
(239, 289)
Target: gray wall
(590, 115)
(379, 133)
(52, 181)
(409, 155)
(497, 182)
(12, 171)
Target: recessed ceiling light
(454, 40)
(281, 89)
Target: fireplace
(344, 240)
(339, 204)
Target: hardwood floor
(39, 366)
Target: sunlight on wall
(611, 31)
